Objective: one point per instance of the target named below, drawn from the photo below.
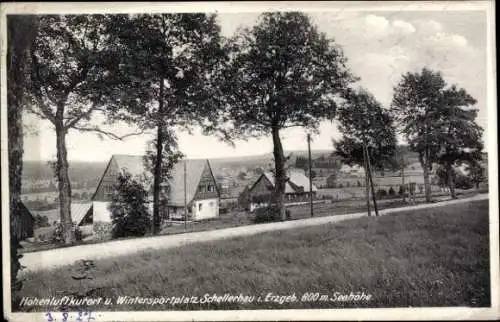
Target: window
(108, 192)
(210, 188)
(201, 188)
(199, 206)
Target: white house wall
(101, 211)
(209, 209)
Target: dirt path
(64, 256)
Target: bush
(129, 213)
(268, 214)
(381, 193)
(78, 234)
(392, 193)
(57, 234)
(463, 182)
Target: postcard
(211, 161)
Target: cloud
(404, 26)
(446, 39)
(376, 23)
(428, 26)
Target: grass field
(425, 258)
(237, 219)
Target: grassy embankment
(434, 257)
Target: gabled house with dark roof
(26, 223)
(260, 192)
(201, 193)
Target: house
(26, 223)
(82, 216)
(201, 195)
(260, 192)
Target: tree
(417, 98)
(21, 30)
(129, 213)
(282, 73)
(41, 221)
(72, 78)
(169, 63)
(459, 136)
(170, 156)
(242, 175)
(368, 135)
(476, 173)
(301, 163)
(363, 120)
(400, 162)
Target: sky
(380, 47)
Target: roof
(134, 164)
(25, 209)
(296, 179)
(78, 212)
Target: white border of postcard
(455, 313)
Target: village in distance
(390, 209)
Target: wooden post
(367, 182)
(185, 196)
(310, 174)
(403, 176)
(374, 197)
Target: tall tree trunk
(451, 181)
(21, 30)
(280, 173)
(367, 183)
(427, 184)
(158, 164)
(374, 197)
(15, 147)
(64, 184)
(403, 178)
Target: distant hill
(263, 160)
(91, 172)
(81, 172)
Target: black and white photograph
(249, 161)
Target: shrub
(268, 214)
(401, 190)
(381, 193)
(392, 193)
(129, 213)
(78, 233)
(57, 234)
(463, 182)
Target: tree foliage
(168, 64)
(72, 77)
(170, 157)
(477, 173)
(363, 120)
(438, 122)
(416, 100)
(460, 137)
(129, 212)
(282, 73)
